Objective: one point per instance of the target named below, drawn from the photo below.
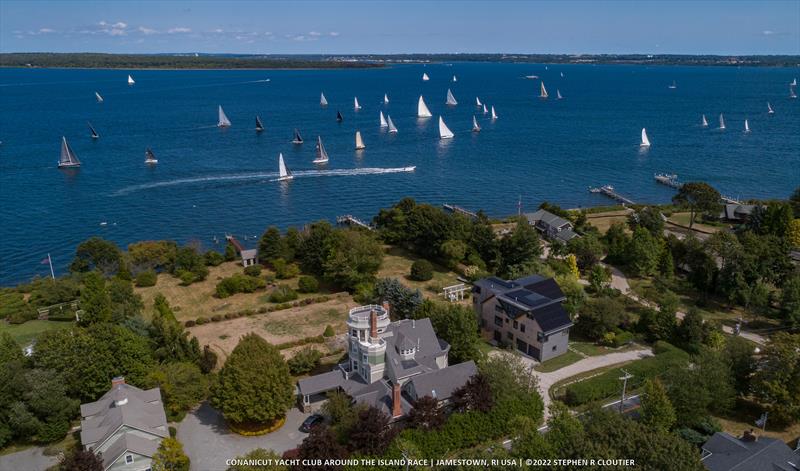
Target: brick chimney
(397, 410)
(373, 324)
(117, 380)
(749, 436)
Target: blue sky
(681, 27)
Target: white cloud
(119, 25)
(314, 33)
(102, 23)
(333, 33)
(147, 31)
(179, 30)
(218, 30)
(46, 30)
(768, 32)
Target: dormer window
(128, 459)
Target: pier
(235, 243)
(609, 191)
(669, 180)
(458, 209)
(350, 220)
(729, 200)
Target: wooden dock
(609, 191)
(350, 220)
(458, 209)
(729, 200)
(669, 180)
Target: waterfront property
(552, 226)
(390, 365)
(736, 212)
(723, 452)
(526, 313)
(125, 426)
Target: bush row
(261, 310)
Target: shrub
(186, 277)
(173, 432)
(252, 270)
(304, 361)
(213, 258)
(201, 321)
(421, 270)
(189, 323)
(216, 318)
(282, 294)
(14, 308)
(285, 270)
(329, 332)
(146, 278)
(238, 283)
(307, 284)
(262, 310)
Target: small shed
(249, 257)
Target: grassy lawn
(397, 264)
(742, 417)
(557, 389)
(602, 221)
(24, 333)
(558, 362)
(682, 219)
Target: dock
(458, 209)
(729, 200)
(350, 220)
(609, 191)
(669, 180)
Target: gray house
(526, 313)
(552, 226)
(390, 365)
(126, 425)
(724, 452)
(736, 212)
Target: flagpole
(50, 261)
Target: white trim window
(128, 459)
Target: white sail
(425, 77)
(322, 156)
(223, 122)
(769, 109)
(794, 82)
(298, 139)
(130, 80)
(322, 100)
(705, 122)
(645, 140)
(283, 172)
(444, 131)
(792, 93)
(721, 121)
(359, 142)
(673, 86)
(259, 124)
(478, 102)
(383, 121)
(149, 157)
(562, 74)
(485, 111)
(475, 127)
(558, 94)
(422, 109)
(385, 99)
(451, 100)
(356, 106)
(494, 115)
(391, 124)
(543, 91)
(99, 98)
(68, 157)
(455, 79)
(746, 126)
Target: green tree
(182, 387)
(271, 245)
(483, 239)
(740, 356)
(316, 242)
(777, 219)
(125, 303)
(648, 218)
(617, 241)
(426, 414)
(644, 252)
(699, 197)
(599, 278)
(520, 246)
(371, 433)
(168, 337)
(156, 255)
(776, 384)
(97, 254)
(190, 265)
(599, 316)
(790, 302)
(691, 332)
(403, 301)
(95, 301)
(453, 252)
(259, 455)
(9, 349)
(455, 324)
(170, 456)
(657, 411)
(421, 270)
(355, 258)
(79, 459)
(254, 386)
(657, 324)
(587, 249)
(794, 200)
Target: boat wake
(266, 176)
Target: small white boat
(422, 109)
(478, 102)
(645, 140)
(531, 77)
(543, 91)
(746, 126)
(455, 79)
(558, 94)
(444, 131)
(451, 100)
(673, 86)
(322, 156)
(475, 127)
(562, 74)
(322, 100)
(425, 77)
(392, 128)
(130, 80)
(485, 111)
(99, 98)
(359, 142)
(298, 139)
(385, 99)
(259, 124)
(769, 109)
(383, 121)
(704, 122)
(792, 92)
(223, 121)
(721, 121)
(68, 158)
(92, 130)
(149, 157)
(283, 172)
(356, 106)
(494, 115)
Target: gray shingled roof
(249, 253)
(129, 443)
(419, 332)
(440, 384)
(321, 382)
(143, 410)
(547, 218)
(723, 452)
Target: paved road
(208, 442)
(29, 459)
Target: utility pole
(624, 378)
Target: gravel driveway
(30, 459)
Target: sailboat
(645, 140)
(455, 79)
(562, 74)
(392, 129)
(130, 80)
(99, 98)
(422, 109)
(475, 127)
(356, 106)
(359, 142)
(704, 122)
(485, 111)
(721, 121)
(425, 77)
(283, 172)
(259, 124)
(149, 157)
(339, 117)
(673, 86)
(543, 91)
(223, 122)
(385, 99)
(478, 102)
(494, 115)
(792, 93)
(68, 158)
(558, 94)
(94, 133)
(383, 121)
(322, 100)
(794, 82)
(746, 126)
(444, 131)
(322, 156)
(769, 109)
(298, 139)
(451, 100)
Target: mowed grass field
(24, 333)
(602, 221)
(397, 264)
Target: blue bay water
(210, 181)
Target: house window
(128, 459)
(516, 324)
(510, 335)
(498, 320)
(498, 308)
(522, 327)
(555, 347)
(506, 320)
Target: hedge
(303, 341)
(261, 310)
(146, 278)
(238, 283)
(607, 384)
